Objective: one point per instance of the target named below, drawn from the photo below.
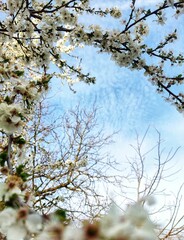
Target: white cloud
(123, 5)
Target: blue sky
(127, 99)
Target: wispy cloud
(123, 5)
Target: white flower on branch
(170, 2)
(134, 224)
(72, 233)
(7, 190)
(115, 12)
(34, 223)
(10, 117)
(16, 231)
(27, 89)
(7, 218)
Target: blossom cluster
(10, 117)
(35, 30)
(23, 223)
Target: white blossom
(170, 2)
(72, 233)
(10, 117)
(7, 218)
(16, 231)
(34, 223)
(115, 12)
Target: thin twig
(10, 137)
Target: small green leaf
(24, 176)
(60, 214)
(21, 116)
(179, 76)
(19, 73)
(19, 169)
(5, 60)
(3, 158)
(20, 172)
(20, 140)
(13, 201)
(148, 12)
(7, 99)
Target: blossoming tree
(37, 37)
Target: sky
(128, 102)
